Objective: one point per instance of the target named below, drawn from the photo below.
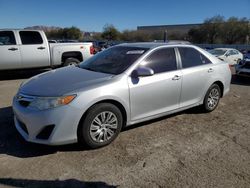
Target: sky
(92, 15)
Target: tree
(212, 28)
(218, 30)
(196, 35)
(73, 33)
(235, 30)
(110, 32)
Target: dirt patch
(188, 149)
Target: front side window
(7, 38)
(235, 52)
(162, 60)
(114, 60)
(230, 52)
(191, 58)
(30, 37)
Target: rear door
(9, 51)
(160, 92)
(34, 49)
(196, 73)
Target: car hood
(61, 81)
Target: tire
(238, 61)
(212, 98)
(92, 130)
(71, 61)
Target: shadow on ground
(11, 143)
(20, 74)
(236, 80)
(52, 183)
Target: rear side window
(162, 60)
(30, 37)
(7, 38)
(191, 58)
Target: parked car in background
(21, 49)
(229, 55)
(246, 54)
(121, 86)
(243, 68)
(52, 41)
(98, 45)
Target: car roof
(224, 49)
(155, 44)
(6, 29)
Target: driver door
(159, 93)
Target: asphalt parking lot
(188, 149)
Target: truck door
(9, 51)
(34, 49)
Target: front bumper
(242, 71)
(63, 122)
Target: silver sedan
(121, 86)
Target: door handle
(41, 48)
(13, 49)
(210, 70)
(176, 77)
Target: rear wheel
(101, 125)
(71, 61)
(212, 98)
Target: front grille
(45, 132)
(23, 126)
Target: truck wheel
(71, 61)
(101, 125)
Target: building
(181, 29)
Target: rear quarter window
(190, 57)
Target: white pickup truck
(21, 49)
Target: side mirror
(142, 71)
(227, 55)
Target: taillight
(92, 50)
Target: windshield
(217, 52)
(113, 60)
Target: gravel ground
(188, 149)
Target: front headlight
(44, 103)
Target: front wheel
(212, 98)
(101, 125)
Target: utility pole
(165, 39)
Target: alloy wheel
(213, 98)
(103, 126)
